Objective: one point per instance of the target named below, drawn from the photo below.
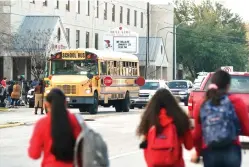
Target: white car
(146, 92)
(30, 98)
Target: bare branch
(36, 45)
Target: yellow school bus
(90, 78)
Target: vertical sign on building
(121, 39)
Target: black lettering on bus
(69, 55)
(82, 55)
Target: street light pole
(175, 65)
(175, 57)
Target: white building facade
(84, 23)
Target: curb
(4, 110)
(15, 124)
(10, 125)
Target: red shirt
(241, 111)
(41, 141)
(186, 140)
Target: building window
(96, 41)
(59, 34)
(32, 1)
(77, 39)
(57, 4)
(128, 16)
(113, 13)
(45, 3)
(161, 49)
(121, 14)
(68, 6)
(135, 18)
(142, 20)
(105, 11)
(68, 35)
(88, 8)
(78, 7)
(97, 9)
(87, 39)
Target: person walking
(219, 120)
(54, 135)
(39, 90)
(16, 94)
(3, 82)
(164, 128)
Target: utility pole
(147, 40)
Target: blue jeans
(227, 157)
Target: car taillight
(246, 74)
(190, 105)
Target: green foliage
(210, 36)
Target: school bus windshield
(74, 67)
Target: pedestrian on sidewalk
(39, 90)
(54, 135)
(3, 82)
(16, 94)
(219, 120)
(164, 128)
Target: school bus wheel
(126, 103)
(93, 108)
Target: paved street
(117, 129)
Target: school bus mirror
(89, 75)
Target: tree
(35, 45)
(213, 37)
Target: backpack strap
(81, 122)
(83, 132)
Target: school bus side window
(135, 69)
(124, 68)
(108, 68)
(103, 67)
(130, 68)
(121, 68)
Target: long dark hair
(61, 130)
(163, 99)
(222, 80)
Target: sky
(240, 7)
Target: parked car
(239, 87)
(31, 98)
(146, 92)
(181, 89)
(199, 80)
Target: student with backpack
(55, 134)
(164, 128)
(219, 120)
(64, 138)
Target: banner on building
(121, 40)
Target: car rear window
(238, 83)
(177, 85)
(150, 85)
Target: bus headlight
(88, 91)
(47, 91)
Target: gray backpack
(90, 149)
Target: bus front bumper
(73, 101)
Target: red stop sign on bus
(107, 81)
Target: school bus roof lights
(91, 56)
(56, 56)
